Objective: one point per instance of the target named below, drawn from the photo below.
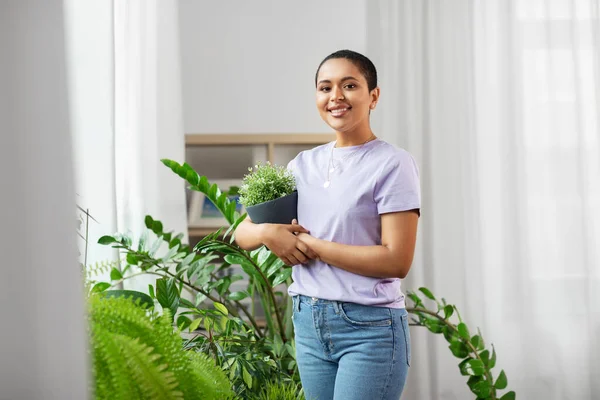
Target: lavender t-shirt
(374, 179)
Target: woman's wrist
(264, 233)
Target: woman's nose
(336, 94)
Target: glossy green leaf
(448, 311)
(148, 221)
(502, 381)
(508, 396)
(115, 274)
(482, 389)
(167, 294)
(477, 342)
(492, 362)
(459, 349)
(132, 259)
(151, 290)
(427, 293)
(142, 299)
(463, 331)
(221, 308)
(100, 287)
(195, 324)
(237, 296)
(157, 227)
(283, 276)
(104, 240)
(183, 322)
(247, 377)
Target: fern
(100, 268)
(279, 391)
(138, 355)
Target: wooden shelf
(217, 139)
(201, 232)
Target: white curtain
(125, 75)
(499, 102)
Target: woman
(358, 209)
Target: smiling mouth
(339, 112)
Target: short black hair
(366, 67)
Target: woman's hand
(282, 240)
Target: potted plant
(269, 194)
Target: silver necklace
(331, 167)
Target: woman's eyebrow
(346, 78)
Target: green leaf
(427, 293)
(433, 324)
(237, 296)
(221, 308)
(167, 294)
(157, 227)
(415, 298)
(142, 299)
(477, 342)
(463, 331)
(492, 362)
(132, 259)
(508, 396)
(448, 311)
(183, 322)
(100, 287)
(195, 324)
(243, 262)
(247, 377)
(186, 303)
(285, 274)
(151, 290)
(482, 389)
(502, 381)
(459, 349)
(148, 221)
(115, 275)
(472, 367)
(104, 240)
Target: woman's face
(343, 97)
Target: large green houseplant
(256, 356)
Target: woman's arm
(280, 239)
(392, 259)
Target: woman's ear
(374, 97)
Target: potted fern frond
(269, 194)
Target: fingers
(300, 256)
(308, 251)
(298, 229)
(293, 260)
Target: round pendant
(326, 184)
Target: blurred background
(497, 100)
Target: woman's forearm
(373, 261)
(249, 236)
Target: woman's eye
(324, 89)
(351, 86)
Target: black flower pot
(279, 211)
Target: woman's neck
(346, 139)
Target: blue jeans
(348, 351)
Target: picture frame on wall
(202, 213)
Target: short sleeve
(397, 187)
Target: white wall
(248, 67)
(42, 336)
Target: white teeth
(339, 111)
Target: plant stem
(472, 348)
(267, 284)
